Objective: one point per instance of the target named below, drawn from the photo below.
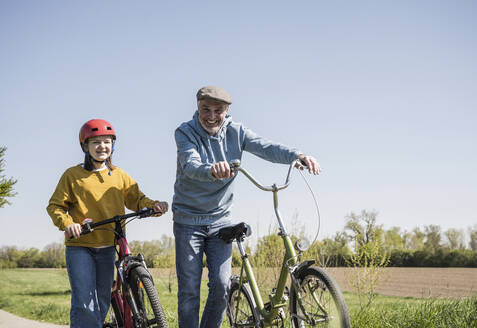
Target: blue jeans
(91, 272)
(192, 241)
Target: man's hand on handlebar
(221, 170)
(160, 208)
(310, 163)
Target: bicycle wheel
(322, 303)
(146, 298)
(241, 308)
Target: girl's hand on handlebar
(310, 163)
(221, 170)
(160, 208)
(73, 230)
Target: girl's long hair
(89, 165)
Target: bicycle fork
(294, 272)
(131, 316)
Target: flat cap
(215, 93)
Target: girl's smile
(100, 148)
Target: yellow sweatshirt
(82, 194)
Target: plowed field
(418, 282)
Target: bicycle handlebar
(87, 227)
(235, 166)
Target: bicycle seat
(238, 231)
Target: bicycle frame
(277, 299)
(126, 261)
(289, 263)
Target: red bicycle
(134, 299)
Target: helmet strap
(109, 169)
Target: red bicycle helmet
(96, 127)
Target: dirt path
(8, 320)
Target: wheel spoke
(241, 309)
(318, 302)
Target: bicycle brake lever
(300, 164)
(154, 213)
(85, 226)
(147, 212)
(234, 164)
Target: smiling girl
(95, 190)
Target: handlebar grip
(85, 228)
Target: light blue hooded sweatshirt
(200, 198)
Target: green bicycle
(314, 297)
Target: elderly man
(203, 194)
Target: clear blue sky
(382, 93)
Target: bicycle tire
(146, 298)
(317, 285)
(246, 315)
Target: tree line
(429, 246)
(157, 253)
(422, 247)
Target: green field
(43, 295)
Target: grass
(418, 313)
(44, 294)
(39, 294)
